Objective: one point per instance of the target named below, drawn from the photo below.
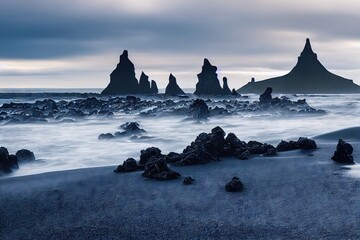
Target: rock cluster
(131, 129)
(343, 153)
(301, 143)
(123, 80)
(9, 162)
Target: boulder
(173, 88)
(343, 153)
(208, 83)
(122, 79)
(147, 154)
(188, 181)
(130, 128)
(8, 162)
(235, 185)
(25, 155)
(306, 143)
(129, 165)
(157, 168)
(199, 110)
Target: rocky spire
(226, 89)
(154, 88)
(208, 83)
(144, 84)
(122, 79)
(307, 52)
(172, 88)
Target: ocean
(64, 146)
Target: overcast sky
(77, 43)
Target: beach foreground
(295, 195)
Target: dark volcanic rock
(131, 128)
(226, 89)
(105, 136)
(173, 88)
(25, 155)
(144, 84)
(122, 79)
(235, 185)
(208, 83)
(265, 98)
(157, 168)
(154, 89)
(306, 143)
(301, 143)
(308, 76)
(255, 147)
(199, 109)
(343, 153)
(234, 92)
(188, 181)
(147, 154)
(129, 165)
(8, 162)
(235, 147)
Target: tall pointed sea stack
(122, 79)
(144, 84)
(154, 89)
(308, 76)
(172, 88)
(208, 83)
(226, 89)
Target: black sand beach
(295, 195)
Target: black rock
(199, 109)
(234, 92)
(208, 83)
(173, 88)
(287, 146)
(131, 128)
(147, 154)
(265, 98)
(129, 165)
(153, 88)
(235, 185)
(235, 147)
(255, 147)
(188, 181)
(343, 153)
(106, 136)
(122, 79)
(226, 89)
(8, 162)
(144, 84)
(25, 155)
(306, 143)
(157, 168)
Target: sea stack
(308, 76)
(226, 89)
(144, 84)
(173, 88)
(208, 83)
(154, 88)
(122, 79)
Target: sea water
(64, 146)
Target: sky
(77, 43)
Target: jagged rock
(157, 168)
(255, 147)
(188, 181)
(226, 89)
(25, 155)
(154, 88)
(343, 153)
(8, 162)
(305, 143)
(308, 76)
(173, 88)
(129, 165)
(147, 154)
(208, 83)
(234, 92)
(122, 79)
(235, 185)
(265, 98)
(131, 128)
(235, 147)
(144, 84)
(106, 136)
(199, 109)
(301, 143)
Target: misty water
(63, 146)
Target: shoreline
(291, 195)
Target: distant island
(308, 76)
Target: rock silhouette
(226, 89)
(153, 88)
(122, 79)
(343, 153)
(173, 88)
(308, 76)
(208, 83)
